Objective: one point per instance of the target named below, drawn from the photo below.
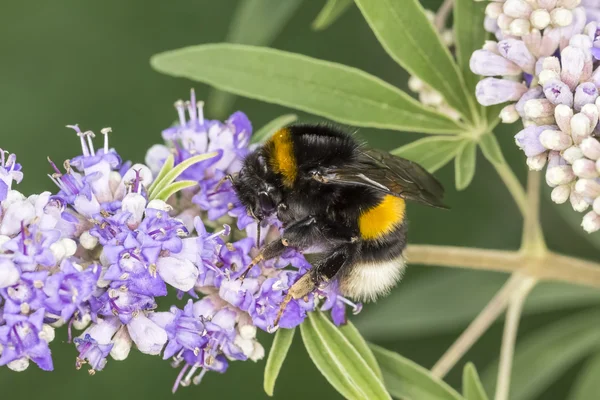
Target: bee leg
(320, 274)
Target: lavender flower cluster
(99, 254)
(545, 64)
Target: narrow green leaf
(172, 174)
(432, 153)
(330, 12)
(277, 354)
(173, 188)
(491, 148)
(470, 36)
(331, 90)
(255, 22)
(273, 126)
(544, 355)
(448, 300)
(587, 385)
(409, 381)
(572, 218)
(167, 166)
(472, 387)
(464, 165)
(359, 343)
(339, 362)
(410, 39)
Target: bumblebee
(339, 198)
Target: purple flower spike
(492, 91)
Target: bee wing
(393, 175)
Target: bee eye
(266, 203)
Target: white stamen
(180, 106)
(89, 135)
(105, 132)
(200, 106)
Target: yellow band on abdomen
(381, 220)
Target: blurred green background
(86, 62)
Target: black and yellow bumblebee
(339, 198)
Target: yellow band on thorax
(381, 220)
(281, 156)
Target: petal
(181, 274)
(148, 336)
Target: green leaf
(255, 22)
(587, 385)
(464, 165)
(331, 90)
(544, 355)
(273, 126)
(447, 301)
(409, 381)
(410, 39)
(330, 12)
(432, 153)
(491, 148)
(492, 115)
(166, 167)
(359, 343)
(173, 188)
(281, 345)
(338, 360)
(472, 387)
(470, 36)
(572, 218)
(164, 180)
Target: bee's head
(256, 186)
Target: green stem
(533, 236)
(550, 266)
(513, 185)
(509, 337)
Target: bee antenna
(227, 177)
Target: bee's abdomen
(377, 268)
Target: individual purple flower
(21, 339)
(70, 289)
(184, 330)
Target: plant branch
(478, 327)
(513, 185)
(533, 236)
(550, 266)
(509, 337)
(442, 15)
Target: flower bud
(590, 147)
(491, 91)
(558, 92)
(580, 127)
(586, 93)
(536, 163)
(493, 10)
(181, 274)
(88, 241)
(560, 194)
(561, 17)
(555, 140)
(588, 188)
(563, 115)
(572, 153)
(509, 114)
(591, 222)
(578, 201)
(148, 336)
(18, 365)
(585, 168)
(559, 175)
(122, 344)
(572, 62)
(540, 19)
(520, 27)
(517, 8)
(486, 63)
(538, 108)
(9, 273)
